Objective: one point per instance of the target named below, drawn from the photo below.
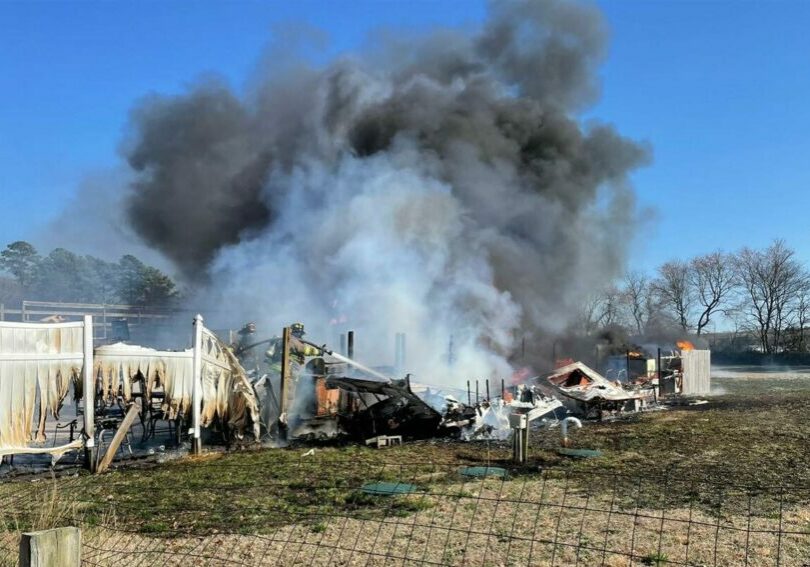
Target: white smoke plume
(442, 187)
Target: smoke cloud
(441, 187)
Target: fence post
(196, 387)
(60, 547)
(286, 382)
(89, 396)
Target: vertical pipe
(469, 394)
(343, 343)
(196, 385)
(503, 389)
(476, 392)
(89, 396)
(488, 390)
(658, 370)
(525, 443)
(350, 352)
(628, 365)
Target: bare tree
(638, 298)
(773, 282)
(610, 307)
(713, 279)
(601, 309)
(588, 317)
(673, 288)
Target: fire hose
(324, 350)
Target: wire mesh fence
(351, 512)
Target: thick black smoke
(443, 185)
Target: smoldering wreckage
(313, 393)
(288, 389)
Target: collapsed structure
(313, 394)
(586, 392)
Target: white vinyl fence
(40, 361)
(38, 364)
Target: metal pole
(476, 392)
(503, 389)
(89, 396)
(469, 395)
(196, 385)
(658, 366)
(628, 365)
(488, 398)
(658, 371)
(350, 352)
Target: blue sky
(721, 90)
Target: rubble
(587, 393)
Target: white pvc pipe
(564, 426)
(196, 384)
(89, 384)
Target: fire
(685, 345)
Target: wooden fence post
(89, 396)
(286, 395)
(60, 547)
(196, 387)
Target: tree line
(64, 276)
(762, 293)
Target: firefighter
(299, 350)
(241, 348)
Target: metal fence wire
(350, 512)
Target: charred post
(286, 381)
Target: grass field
(700, 485)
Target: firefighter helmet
(297, 329)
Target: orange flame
(685, 345)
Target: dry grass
(667, 491)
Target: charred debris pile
(310, 392)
